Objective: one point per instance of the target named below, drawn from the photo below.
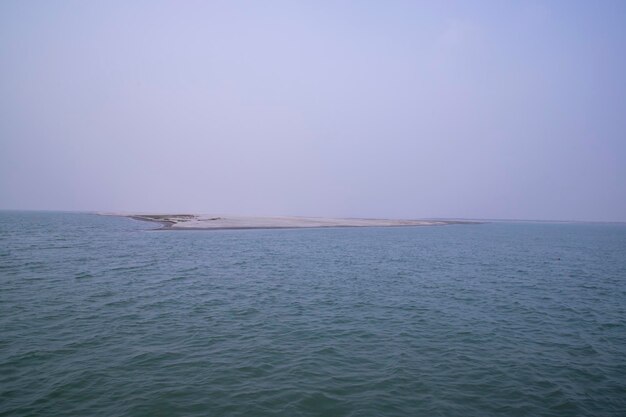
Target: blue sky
(365, 109)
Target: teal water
(100, 316)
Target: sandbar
(220, 222)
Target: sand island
(216, 222)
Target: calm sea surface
(100, 316)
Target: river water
(101, 316)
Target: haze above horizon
(393, 110)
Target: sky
(398, 109)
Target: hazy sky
(341, 108)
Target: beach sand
(216, 222)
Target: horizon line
(512, 220)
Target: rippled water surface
(100, 316)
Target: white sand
(202, 221)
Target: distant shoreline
(208, 222)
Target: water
(100, 316)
